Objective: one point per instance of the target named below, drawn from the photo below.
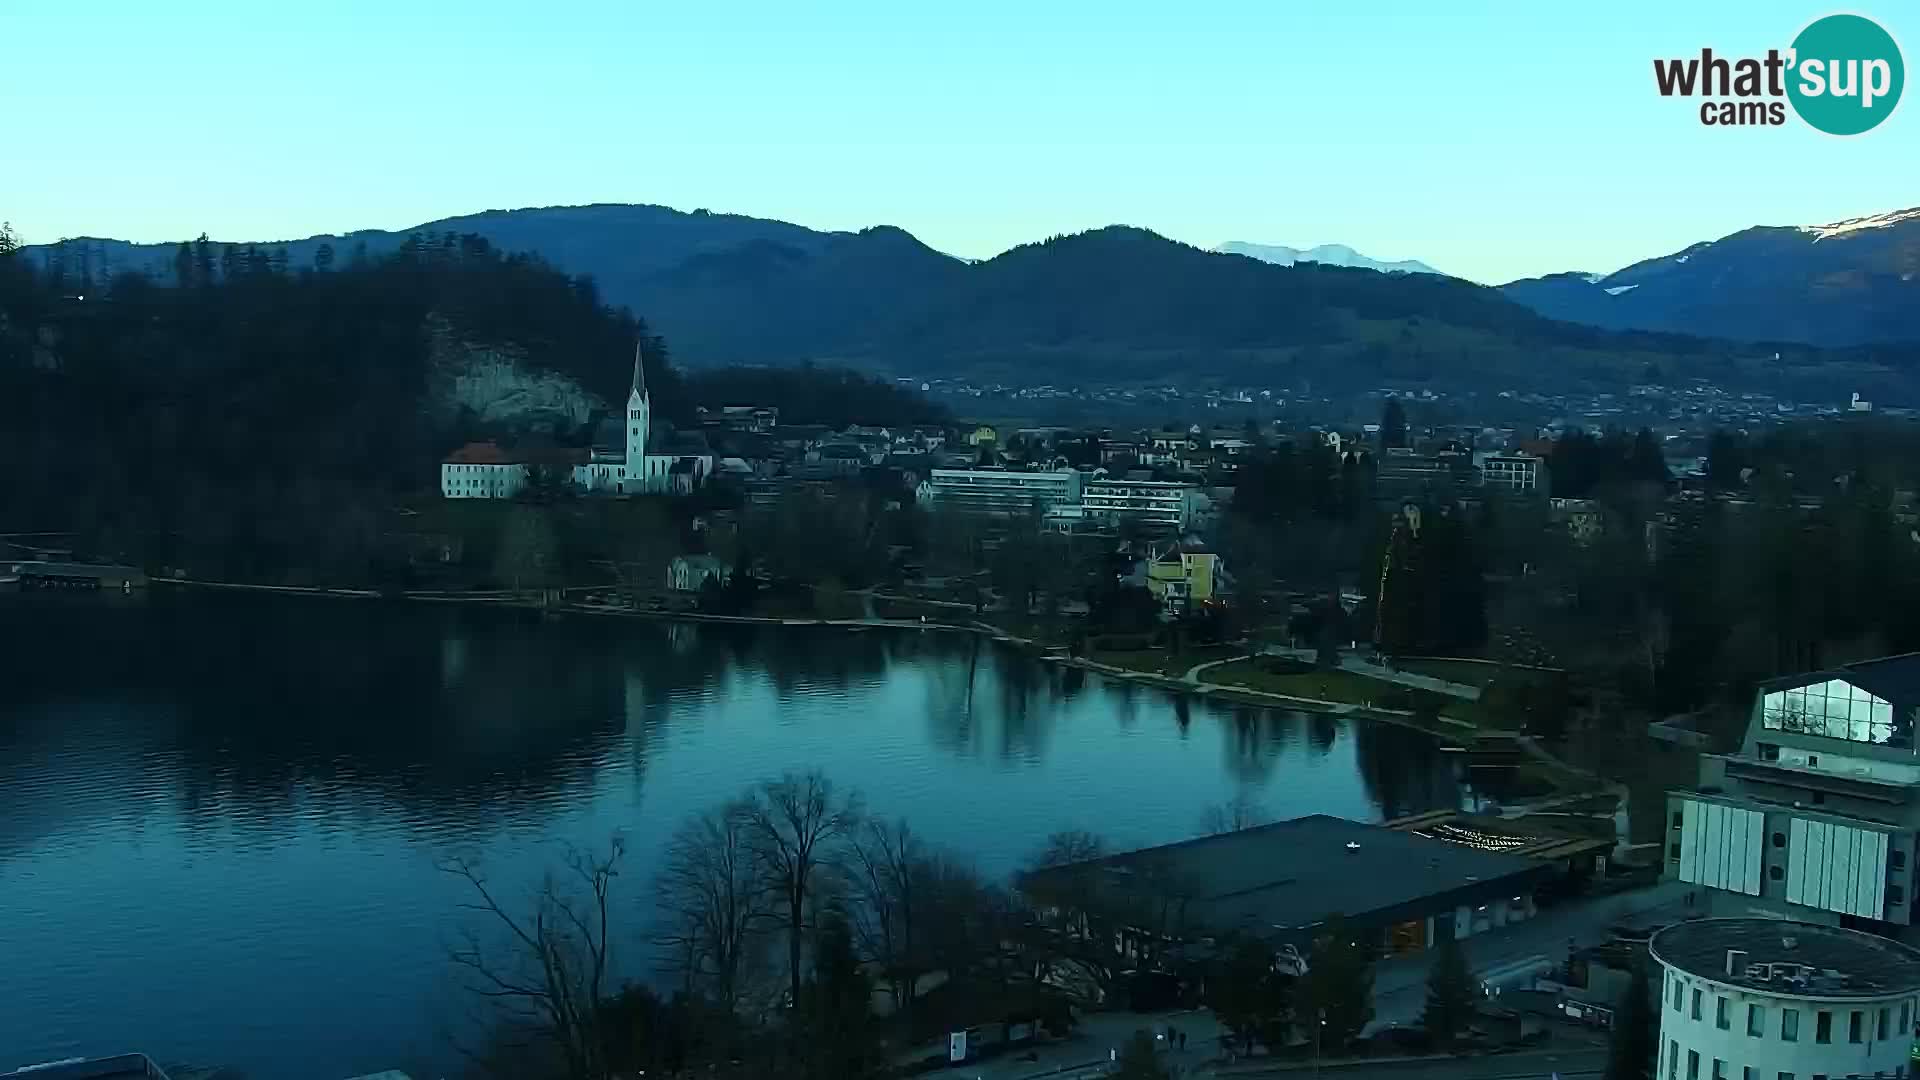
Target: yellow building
(1185, 576)
(984, 435)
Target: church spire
(639, 372)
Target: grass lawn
(1343, 686)
(1162, 662)
(1470, 673)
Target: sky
(1494, 141)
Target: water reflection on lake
(219, 815)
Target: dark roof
(1834, 963)
(480, 453)
(1293, 874)
(1895, 678)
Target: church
(632, 457)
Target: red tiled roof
(480, 453)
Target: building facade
(1513, 472)
(1000, 491)
(1814, 817)
(1768, 999)
(1153, 503)
(482, 471)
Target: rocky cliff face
(497, 385)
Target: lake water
(220, 815)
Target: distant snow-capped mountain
(1329, 254)
(1849, 282)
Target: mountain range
(1329, 254)
(1124, 305)
(1849, 282)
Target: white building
(687, 573)
(999, 491)
(482, 471)
(647, 463)
(1513, 472)
(1158, 503)
(1769, 999)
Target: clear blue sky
(1504, 140)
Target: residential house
(689, 573)
(1186, 576)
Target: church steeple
(639, 372)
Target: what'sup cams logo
(1843, 75)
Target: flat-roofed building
(1001, 491)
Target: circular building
(1767, 999)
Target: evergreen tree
(1250, 998)
(1337, 991)
(9, 240)
(1393, 424)
(183, 265)
(839, 1030)
(1139, 1061)
(1451, 995)
(1645, 463)
(323, 258)
(1636, 1032)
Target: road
(1399, 983)
(1529, 1065)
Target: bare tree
(885, 871)
(1240, 812)
(1067, 846)
(712, 901)
(794, 823)
(550, 975)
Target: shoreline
(1452, 732)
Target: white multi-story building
(1770, 999)
(1001, 491)
(482, 471)
(1158, 503)
(1513, 472)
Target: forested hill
(1113, 305)
(274, 415)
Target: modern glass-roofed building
(1815, 816)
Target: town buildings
(1514, 471)
(630, 456)
(1153, 503)
(1766, 999)
(1814, 817)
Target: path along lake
(220, 814)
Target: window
(1720, 1010)
(1769, 751)
(1903, 1019)
(1673, 1060)
(1679, 992)
(1697, 997)
(1854, 1025)
(1812, 760)
(1673, 852)
(1756, 1020)
(1693, 1065)
(1896, 895)
(1678, 818)
(1783, 1076)
(1882, 1021)
(1897, 859)
(1823, 1026)
(1747, 1073)
(1789, 1025)
(1774, 873)
(1779, 839)
(1719, 1069)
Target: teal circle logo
(1846, 74)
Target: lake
(220, 814)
